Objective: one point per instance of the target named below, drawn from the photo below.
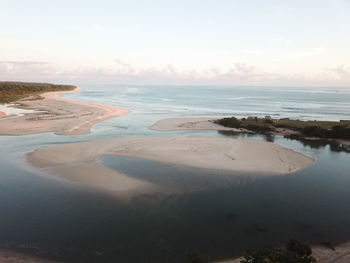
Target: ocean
(216, 215)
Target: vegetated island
(339, 130)
(294, 129)
(336, 134)
(46, 111)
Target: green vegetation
(251, 123)
(320, 129)
(12, 91)
(295, 252)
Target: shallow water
(214, 213)
(11, 111)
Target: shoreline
(189, 123)
(59, 115)
(18, 256)
(337, 254)
(78, 161)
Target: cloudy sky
(211, 42)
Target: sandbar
(78, 161)
(59, 115)
(189, 123)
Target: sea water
(216, 214)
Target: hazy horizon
(230, 43)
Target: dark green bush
(229, 122)
(314, 131)
(259, 128)
(268, 121)
(339, 131)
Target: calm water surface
(215, 213)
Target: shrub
(229, 122)
(314, 131)
(339, 131)
(268, 121)
(259, 128)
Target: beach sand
(190, 123)
(338, 254)
(58, 115)
(12, 256)
(78, 161)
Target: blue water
(218, 215)
(299, 103)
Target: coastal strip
(59, 115)
(78, 161)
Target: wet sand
(191, 123)
(58, 115)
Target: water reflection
(223, 216)
(319, 144)
(334, 146)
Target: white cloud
(125, 73)
(24, 69)
(341, 71)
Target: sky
(182, 42)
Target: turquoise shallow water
(220, 215)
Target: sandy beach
(77, 161)
(58, 115)
(189, 123)
(12, 256)
(337, 254)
